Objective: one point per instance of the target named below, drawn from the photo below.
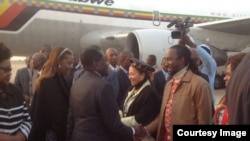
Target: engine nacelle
(157, 41)
(149, 41)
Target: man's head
(164, 65)
(124, 59)
(195, 57)
(176, 58)
(112, 56)
(151, 60)
(38, 60)
(46, 49)
(27, 61)
(93, 59)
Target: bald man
(112, 58)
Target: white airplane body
(139, 26)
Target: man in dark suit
(160, 78)
(111, 56)
(37, 61)
(97, 119)
(124, 82)
(76, 66)
(23, 79)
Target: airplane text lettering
(99, 2)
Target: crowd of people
(107, 95)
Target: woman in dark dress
(49, 108)
(142, 103)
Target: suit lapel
(163, 79)
(167, 91)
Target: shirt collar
(141, 88)
(180, 74)
(164, 73)
(113, 68)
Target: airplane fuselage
(26, 25)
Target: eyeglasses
(6, 70)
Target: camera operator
(207, 65)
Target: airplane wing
(238, 26)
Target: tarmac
(20, 63)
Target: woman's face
(5, 73)
(66, 64)
(228, 74)
(135, 76)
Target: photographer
(207, 65)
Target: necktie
(168, 110)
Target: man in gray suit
(23, 78)
(93, 113)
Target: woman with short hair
(15, 121)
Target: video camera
(182, 27)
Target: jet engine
(149, 41)
(157, 41)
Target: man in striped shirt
(15, 123)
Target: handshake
(140, 133)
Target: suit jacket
(113, 79)
(77, 75)
(93, 114)
(159, 82)
(70, 77)
(124, 84)
(203, 75)
(192, 103)
(22, 80)
(34, 77)
(49, 109)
